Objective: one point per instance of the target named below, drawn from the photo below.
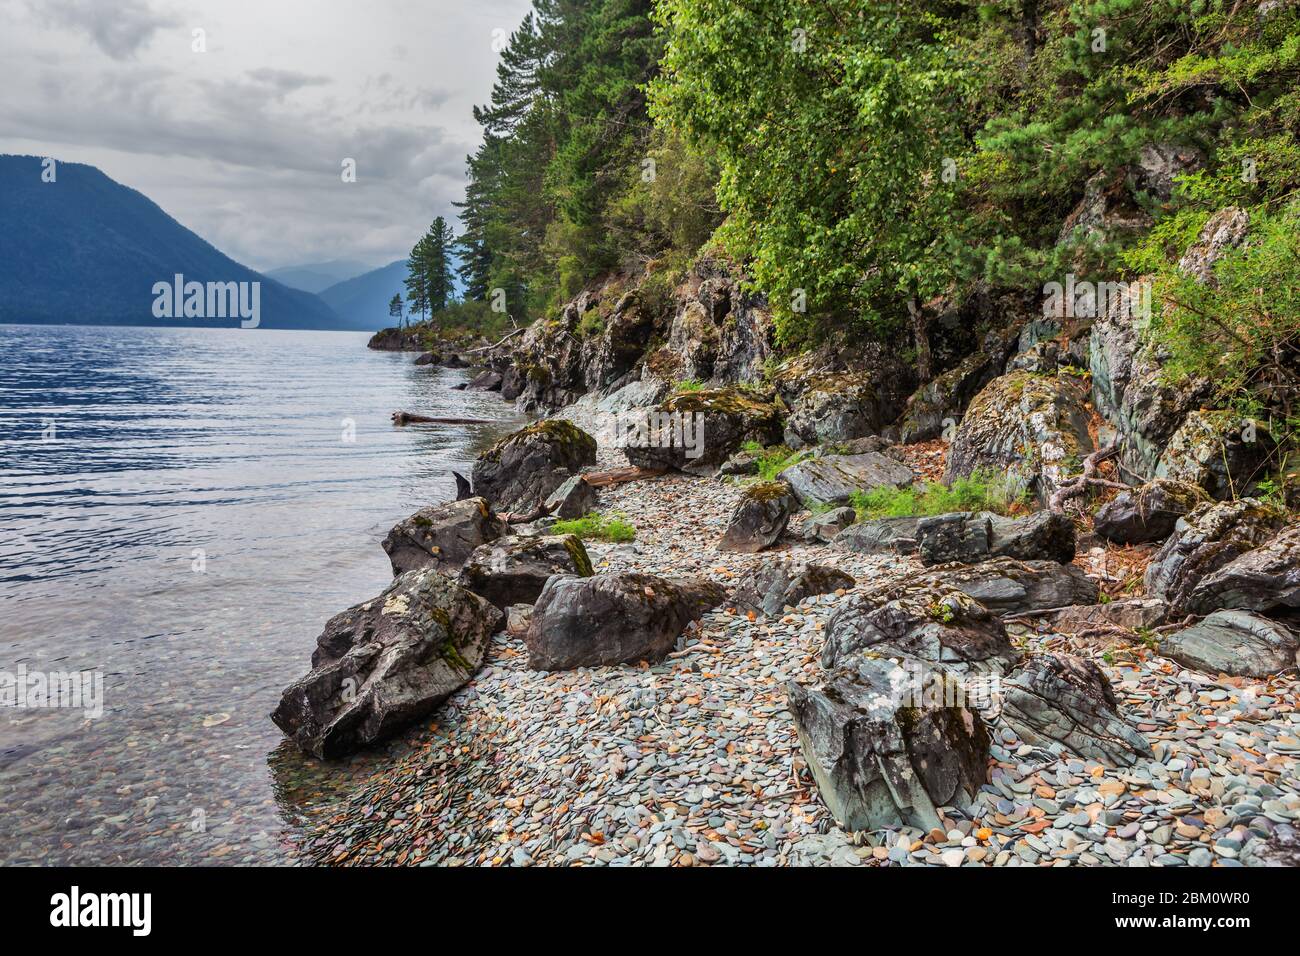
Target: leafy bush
(772, 461)
(597, 527)
(982, 491)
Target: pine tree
(395, 308)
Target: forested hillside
(872, 163)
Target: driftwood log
(410, 418)
(618, 476)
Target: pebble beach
(695, 761)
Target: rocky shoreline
(695, 760)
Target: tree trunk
(921, 338)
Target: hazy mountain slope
(316, 277)
(87, 250)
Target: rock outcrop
(1234, 642)
(887, 744)
(972, 536)
(573, 499)
(879, 536)
(1206, 539)
(1058, 699)
(835, 408)
(524, 468)
(1007, 586)
(514, 570)
(935, 624)
(613, 619)
(442, 536)
(832, 479)
(704, 428)
(760, 517)
(1148, 512)
(1220, 452)
(1265, 579)
(384, 664)
(1032, 428)
(771, 587)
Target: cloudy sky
(244, 143)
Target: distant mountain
(318, 276)
(364, 300)
(87, 250)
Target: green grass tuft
(597, 527)
(982, 491)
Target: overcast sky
(244, 143)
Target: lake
(180, 512)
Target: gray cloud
(120, 28)
(243, 144)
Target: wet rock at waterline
(613, 619)
(887, 745)
(384, 664)
(442, 536)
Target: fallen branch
(410, 418)
(618, 476)
(502, 341)
(541, 511)
(1077, 485)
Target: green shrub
(688, 385)
(597, 527)
(772, 461)
(982, 491)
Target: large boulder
(824, 526)
(514, 570)
(879, 536)
(1206, 539)
(1007, 586)
(1266, 579)
(760, 517)
(1058, 699)
(384, 664)
(889, 743)
(1219, 451)
(832, 479)
(936, 624)
(1031, 428)
(1234, 642)
(775, 585)
(442, 536)
(836, 408)
(697, 431)
(613, 619)
(1134, 614)
(521, 470)
(975, 536)
(573, 499)
(1148, 512)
